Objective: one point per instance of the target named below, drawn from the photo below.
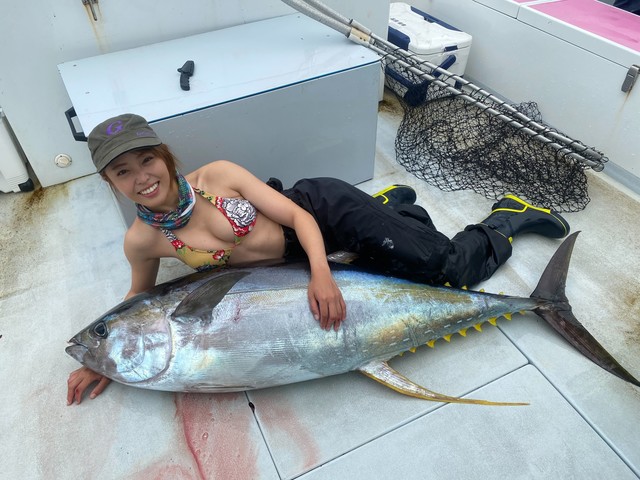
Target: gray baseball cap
(118, 135)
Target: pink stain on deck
(278, 417)
(217, 431)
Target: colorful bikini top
(240, 213)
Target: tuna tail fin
(383, 373)
(556, 311)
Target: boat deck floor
(63, 266)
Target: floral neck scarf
(176, 218)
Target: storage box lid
(422, 33)
(230, 64)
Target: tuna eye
(101, 330)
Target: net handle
(387, 50)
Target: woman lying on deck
(221, 215)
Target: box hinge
(91, 3)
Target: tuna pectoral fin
(556, 311)
(383, 373)
(199, 303)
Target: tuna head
(130, 344)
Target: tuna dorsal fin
(199, 303)
(383, 373)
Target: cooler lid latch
(630, 78)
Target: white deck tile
(306, 425)
(546, 440)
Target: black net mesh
(454, 144)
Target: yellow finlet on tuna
(412, 349)
(478, 327)
(493, 321)
(431, 343)
(463, 332)
(447, 338)
(507, 316)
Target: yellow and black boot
(396, 195)
(512, 216)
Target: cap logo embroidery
(115, 127)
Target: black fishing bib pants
(401, 241)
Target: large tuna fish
(242, 329)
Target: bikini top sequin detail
(240, 213)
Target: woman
(221, 215)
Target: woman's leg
(402, 241)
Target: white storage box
(429, 38)
(285, 97)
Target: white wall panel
(37, 36)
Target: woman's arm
(325, 298)
(144, 268)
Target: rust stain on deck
(24, 230)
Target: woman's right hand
(325, 301)
(78, 382)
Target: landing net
(456, 136)
(455, 144)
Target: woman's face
(144, 178)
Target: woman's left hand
(326, 302)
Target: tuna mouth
(76, 350)
(75, 341)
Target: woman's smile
(150, 190)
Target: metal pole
(362, 35)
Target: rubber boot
(512, 216)
(396, 195)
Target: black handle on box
(186, 71)
(78, 136)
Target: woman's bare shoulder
(213, 177)
(209, 170)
